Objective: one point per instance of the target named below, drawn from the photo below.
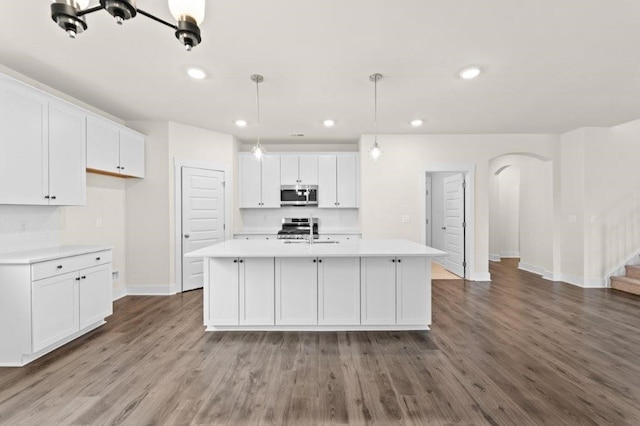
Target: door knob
(186, 235)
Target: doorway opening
(448, 218)
(202, 204)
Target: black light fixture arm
(90, 10)
(159, 20)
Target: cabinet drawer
(69, 264)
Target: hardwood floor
(518, 350)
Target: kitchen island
(294, 285)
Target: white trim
(178, 164)
(153, 290)
(551, 276)
(509, 254)
(315, 327)
(535, 269)
(119, 293)
(581, 282)
(469, 171)
(494, 257)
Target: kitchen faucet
(311, 228)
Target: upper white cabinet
(259, 181)
(114, 149)
(299, 169)
(42, 148)
(338, 181)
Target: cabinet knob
(59, 267)
(235, 260)
(53, 197)
(46, 197)
(121, 168)
(98, 258)
(314, 260)
(187, 235)
(241, 261)
(393, 260)
(319, 260)
(399, 260)
(84, 277)
(77, 278)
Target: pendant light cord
(258, 108)
(375, 109)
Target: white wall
(26, 227)
(390, 187)
(508, 212)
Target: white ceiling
(550, 65)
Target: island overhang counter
(366, 284)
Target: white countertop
(280, 248)
(49, 253)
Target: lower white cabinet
(403, 280)
(339, 291)
(44, 304)
(296, 291)
(240, 291)
(54, 309)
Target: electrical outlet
(99, 222)
(405, 218)
(115, 275)
(572, 218)
(594, 219)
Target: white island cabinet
(349, 285)
(49, 297)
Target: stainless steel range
(298, 228)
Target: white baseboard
(509, 254)
(119, 293)
(549, 275)
(152, 290)
(535, 269)
(494, 257)
(480, 276)
(582, 282)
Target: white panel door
(347, 181)
(257, 291)
(289, 170)
(67, 159)
(413, 290)
(250, 182)
(296, 291)
(339, 291)
(378, 290)
(203, 219)
(223, 292)
(131, 154)
(96, 294)
(103, 142)
(23, 146)
(308, 169)
(271, 181)
(54, 305)
(327, 175)
(453, 218)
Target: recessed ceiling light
(196, 73)
(417, 122)
(241, 123)
(470, 73)
(328, 123)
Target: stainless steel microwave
(299, 195)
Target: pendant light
(375, 152)
(258, 150)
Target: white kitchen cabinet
(67, 159)
(42, 148)
(224, 292)
(242, 292)
(113, 149)
(55, 309)
(296, 291)
(413, 299)
(378, 290)
(339, 291)
(338, 181)
(46, 303)
(299, 169)
(259, 181)
(257, 288)
(95, 294)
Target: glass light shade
(80, 4)
(258, 151)
(375, 152)
(192, 8)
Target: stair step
(633, 271)
(629, 285)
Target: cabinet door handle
(97, 258)
(78, 279)
(59, 267)
(393, 260)
(118, 167)
(84, 277)
(399, 260)
(235, 260)
(53, 197)
(314, 260)
(46, 197)
(319, 260)
(187, 235)
(241, 261)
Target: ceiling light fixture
(375, 152)
(241, 123)
(258, 150)
(470, 73)
(69, 15)
(417, 122)
(328, 123)
(197, 73)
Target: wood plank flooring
(519, 350)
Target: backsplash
(27, 227)
(270, 220)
